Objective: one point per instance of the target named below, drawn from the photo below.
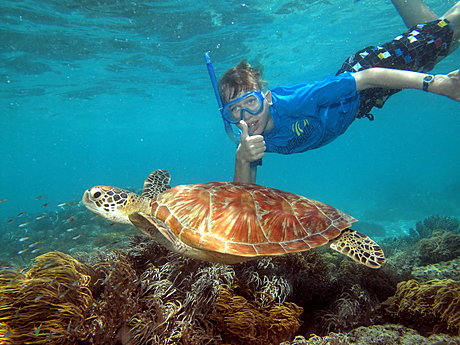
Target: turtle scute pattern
(247, 220)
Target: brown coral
(48, 303)
(244, 322)
(430, 307)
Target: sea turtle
(229, 222)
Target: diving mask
(251, 102)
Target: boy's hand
(251, 147)
(448, 85)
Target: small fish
(36, 250)
(23, 224)
(23, 251)
(71, 229)
(3, 200)
(37, 330)
(62, 204)
(34, 244)
(76, 283)
(39, 297)
(49, 264)
(46, 204)
(52, 281)
(22, 239)
(40, 217)
(76, 237)
(11, 220)
(71, 219)
(39, 197)
(21, 214)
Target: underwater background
(105, 92)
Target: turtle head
(113, 203)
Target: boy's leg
(414, 12)
(418, 49)
(453, 16)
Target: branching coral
(177, 294)
(48, 303)
(432, 306)
(244, 322)
(354, 307)
(118, 298)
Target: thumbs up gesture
(251, 147)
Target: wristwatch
(427, 80)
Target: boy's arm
(250, 149)
(446, 85)
(245, 172)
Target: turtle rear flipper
(359, 247)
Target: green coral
(442, 270)
(441, 246)
(433, 306)
(431, 224)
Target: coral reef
(440, 246)
(433, 306)
(388, 334)
(245, 322)
(442, 270)
(437, 240)
(144, 294)
(330, 339)
(48, 303)
(396, 335)
(431, 224)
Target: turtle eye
(97, 194)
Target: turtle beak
(89, 204)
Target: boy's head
(241, 91)
(240, 79)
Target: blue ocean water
(104, 92)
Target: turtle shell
(247, 220)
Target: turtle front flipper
(156, 183)
(155, 229)
(359, 247)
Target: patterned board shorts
(415, 50)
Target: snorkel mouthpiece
(233, 132)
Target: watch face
(428, 78)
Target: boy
(303, 117)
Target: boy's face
(253, 108)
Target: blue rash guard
(308, 116)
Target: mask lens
(252, 103)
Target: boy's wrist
(427, 82)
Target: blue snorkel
(234, 136)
